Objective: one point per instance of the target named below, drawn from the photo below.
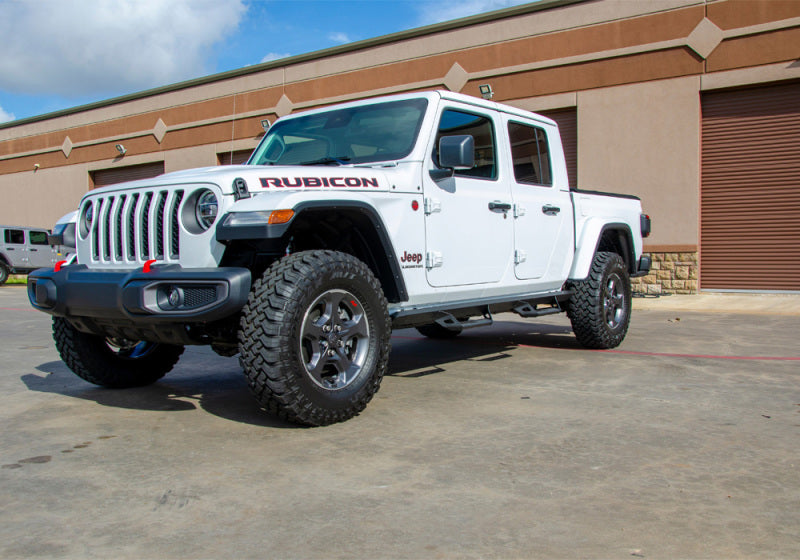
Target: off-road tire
(4, 273)
(281, 334)
(93, 359)
(600, 306)
(437, 331)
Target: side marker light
(280, 216)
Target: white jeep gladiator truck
(430, 210)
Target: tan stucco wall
(644, 139)
(39, 198)
(634, 71)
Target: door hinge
(432, 205)
(433, 259)
(519, 210)
(520, 257)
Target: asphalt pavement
(508, 442)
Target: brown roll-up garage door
(750, 192)
(567, 120)
(234, 158)
(105, 177)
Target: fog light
(174, 296)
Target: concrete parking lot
(508, 442)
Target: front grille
(136, 228)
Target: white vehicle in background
(23, 250)
(430, 210)
(63, 237)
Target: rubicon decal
(411, 260)
(288, 182)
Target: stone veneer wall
(670, 273)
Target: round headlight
(206, 209)
(87, 217)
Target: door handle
(33, 249)
(550, 210)
(497, 205)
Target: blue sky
(64, 53)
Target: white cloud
(5, 117)
(339, 37)
(446, 10)
(77, 47)
(269, 57)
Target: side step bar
(526, 309)
(450, 323)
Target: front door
(40, 253)
(468, 225)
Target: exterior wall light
(265, 124)
(121, 149)
(486, 91)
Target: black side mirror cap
(457, 152)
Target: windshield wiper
(323, 161)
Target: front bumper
(165, 294)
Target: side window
(530, 154)
(15, 237)
(38, 237)
(457, 123)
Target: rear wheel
(600, 306)
(113, 362)
(314, 337)
(4, 272)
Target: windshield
(361, 134)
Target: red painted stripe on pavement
(702, 356)
(16, 309)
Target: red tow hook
(59, 264)
(147, 266)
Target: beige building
(692, 105)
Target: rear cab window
(530, 154)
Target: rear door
(469, 233)
(15, 247)
(543, 230)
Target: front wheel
(113, 362)
(314, 337)
(600, 306)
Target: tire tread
(265, 336)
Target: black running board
(525, 305)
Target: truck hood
(267, 178)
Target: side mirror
(457, 152)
